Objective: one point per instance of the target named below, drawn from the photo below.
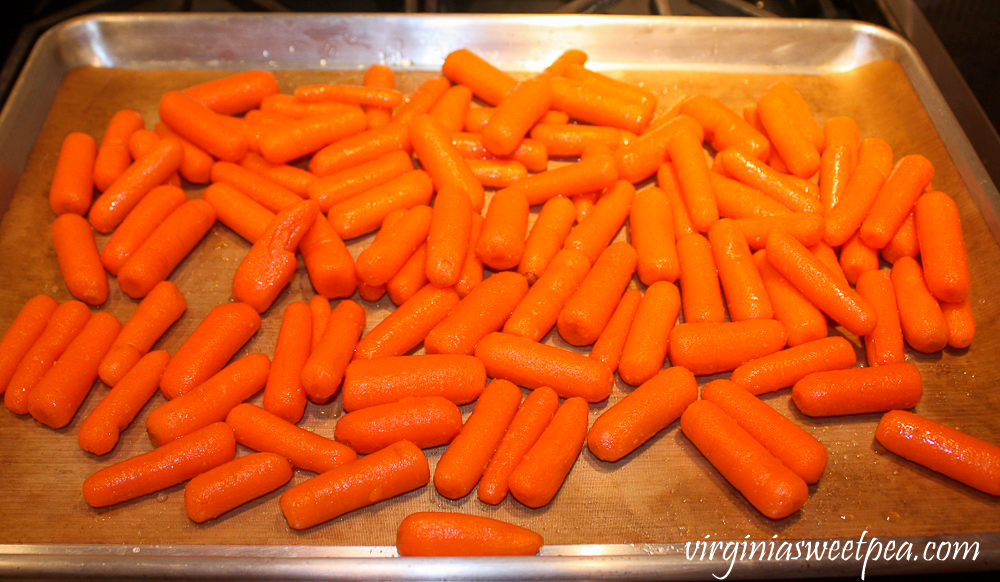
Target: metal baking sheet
(631, 519)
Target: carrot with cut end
(429, 533)
(236, 93)
(539, 309)
(559, 66)
(961, 323)
(364, 213)
(859, 390)
(483, 311)
(590, 308)
(257, 187)
(72, 186)
(839, 159)
(844, 219)
(427, 421)
(591, 103)
(647, 410)
(884, 345)
(324, 368)
(541, 473)
(599, 228)
(666, 178)
(741, 281)
(857, 258)
(451, 109)
(379, 76)
(724, 127)
(569, 140)
(904, 243)
(349, 94)
(236, 210)
(754, 173)
(476, 119)
(701, 291)
(283, 143)
(228, 486)
(515, 115)
(408, 325)
(609, 345)
(895, 200)
(875, 152)
(24, 331)
(285, 108)
(360, 148)
(605, 84)
(422, 100)
(502, 237)
(472, 268)
(942, 248)
(410, 278)
(334, 188)
(487, 82)
(586, 176)
(531, 153)
(112, 155)
(320, 308)
(392, 471)
(149, 213)
(457, 378)
(284, 394)
(201, 126)
(806, 227)
(651, 226)
(396, 243)
(546, 238)
(646, 346)
(79, 260)
(803, 320)
(920, 316)
(710, 348)
(289, 177)
(827, 256)
(783, 369)
(696, 186)
(196, 166)
(262, 431)
(737, 200)
(798, 149)
(532, 365)
(441, 159)
(497, 173)
(140, 142)
(328, 262)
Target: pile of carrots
(748, 235)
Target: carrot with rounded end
(647, 341)
(515, 115)
(884, 345)
(140, 142)
(942, 248)
(441, 159)
(205, 352)
(857, 258)
(226, 487)
(796, 148)
(210, 402)
(100, 431)
(257, 187)
(349, 95)
(859, 390)
(392, 471)
(596, 231)
(79, 261)
(324, 368)
(60, 330)
(408, 325)
(827, 256)
(196, 166)
(590, 103)
(502, 237)
(427, 421)
(803, 320)
(539, 309)
(647, 410)
(379, 76)
(710, 348)
(961, 323)
(550, 230)
(421, 101)
(923, 323)
(451, 108)
(559, 66)
(282, 108)
(201, 126)
(843, 220)
(364, 213)
(262, 431)
(737, 200)
(476, 119)
(895, 200)
(112, 155)
(284, 393)
(483, 311)
(806, 227)
(651, 226)
(590, 307)
(724, 127)
(149, 213)
(875, 152)
(472, 268)
(328, 262)
(334, 188)
(666, 178)
(282, 143)
(842, 137)
(610, 344)
(165, 248)
(486, 81)
(771, 487)
(642, 157)
(605, 84)
(569, 140)
(236, 93)
(320, 309)
(429, 533)
(783, 369)
(54, 400)
(817, 283)
(586, 176)
(752, 172)
(741, 281)
(532, 365)
(27, 327)
(541, 473)
(693, 176)
(360, 148)
(72, 186)
(384, 257)
(904, 243)
(236, 210)
(410, 278)
(457, 378)
(700, 288)
(291, 178)
(497, 173)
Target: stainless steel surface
(734, 8)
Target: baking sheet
(665, 493)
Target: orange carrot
(202, 127)
(476, 119)
(165, 248)
(407, 326)
(961, 323)
(360, 148)
(325, 366)
(164, 467)
(796, 148)
(79, 261)
(112, 155)
(364, 213)
(208, 403)
(884, 345)
(666, 178)
(530, 153)
(334, 188)
(538, 310)
(594, 174)
(803, 320)
(806, 227)
(651, 225)
(486, 81)
(426, 421)
(605, 84)
(429, 533)
(349, 94)
(197, 163)
(875, 152)
(457, 378)
(497, 173)
(920, 316)
(289, 177)
(595, 232)
(260, 189)
(284, 394)
(24, 331)
(320, 308)
(379, 76)
(590, 308)
(236, 210)
(744, 167)
(532, 365)
(550, 230)
(515, 115)
(72, 186)
(285, 108)
(228, 486)
(140, 142)
(422, 100)
(559, 66)
(647, 410)
(442, 161)
(262, 431)
(541, 473)
(451, 108)
(895, 200)
(771, 487)
(448, 237)
(236, 93)
(859, 390)
(384, 257)
(696, 186)
(392, 471)
(827, 256)
(283, 143)
(741, 281)
(216, 339)
(569, 140)
(724, 127)
(646, 345)
(700, 289)
(472, 268)
(609, 345)
(904, 243)
(502, 238)
(149, 213)
(54, 400)
(856, 200)
(737, 200)
(710, 348)
(856, 258)
(590, 103)
(783, 369)
(839, 159)
(328, 262)
(483, 311)
(410, 278)
(942, 249)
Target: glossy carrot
(257, 187)
(737, 200)
(141, 142)
(24, 331)
(693, 176)
(324, 368)
(384, 257)
(546, 238)
(856, 200)
(961, 323)
(805, 227)
(541, 473)
(196, 166)
(710, 348)
(605, 84)
(284, 394)
(701, 291)
(283, 143)
(839, 160)
(724, 127)
(593, 104)
(79, 261)
(364, 213)
(410, 278)
(367, 383)
(408, 325)
(744, 167)
(787, 136)
(923, 323)
(875, 152)
(904, 243)
(112, 155)
(392, 471)
(651, 226)
(666, 178)
(429, 533)
(328, 262)
(201, 126)
(320, 308)
(942, 248)
(610, 344)
(421, 101)
(288, 107)
(149, 213)
(502, 237)
(857, 258)
(895, 200)
(569, 180)
(442, 161)
(228, 486)
(486, 81)
(514, 116)
(532, 365)
(476, 119)
(884, 345)
(334, 188)
(859, 390)
(741, 281)
(783, 369)
(451, 108)
(349, 94)
(448, 236)
(803, 320)
(72, 186)
(236, 210)
(595, 232)
(472, 268)
(559, 66)
(497, 173)
(236, 93)
(483, 311)
(590, 308)
(539, 309)
(646, 346)
(360, 148)
(426, 421)
(647, 410)
(569, 140)
(827, 256)
(379, 75)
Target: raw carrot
(806, 227)
(483, 311)
(856, 200)
(486, 81)
(426, 421)
(384, 257)
(408, 325)
(448, 236)
(771, 487)
(196, 166)
(737, 200)
(24, 331)
(236, 93)
(165, 248)
(262, 431)
(920, 316)
(839, 159)
(539, 309)
(410, 278)
(569, 140)
(904, 243)
(666, 178)
(216, 339)
(530, 153)
(379, 76)
(646, 346)
(236, 210)
(701, 292)
(541, 473)
(609, 345)
(79, 260)
(895, 200)
(942, 248)
(334, 188)
(497, 173)
(724, 127)
(744, 167)
(647, 410)
(149, 213)
(202, 127)
(451, 108)
(72, 186)
(857, 258)
(283, 143)
(260, 189)
(429, 533)
(112, 155)
(472, 268)
(571, 179)
(459, 379)
(349, 94)
(796, 148)
(684, 148)
(595, 232)
(884, 345)
(328, 262)
(710, 348)
(476, 119)
(320, 308)
(559, 66)
(364, 213)
(741, 281)
(961, 323)
(651, 226)
(547, 235)
(360, 148)
(141, 142)
(289, 107)
(859, 390)
(422, 100)
(827, 256)
(208, 403)
(532, 365)
(228, 486)
(396, 469)
(590, 308)
(325, 366)
(593, 104)
(291, 178)
(783, 369)
(875, 152)
(442, 161)
(803, 320)
(502, 237)
(520, 109)
(284, 394)
(605, 84)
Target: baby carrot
(464, 461)
(364, 213)
(839, 159)
(383, 258)
(609, 345)
(165, 248)
(542, 471)
(961, 323)
(379, 76)
(483, 311)
(856, 200)
(550, 230)
(710, 348)
(487, 82)
(904, 243)
(884, 345)
(228, 486)
(920, 316)
(942, 249)
(646, 346)
(328, 262)
(360, 148)
(62, 327)
(210, 402)
(586, 176)
(737, 200)
(806, 227)
(651, 226)
(236, 93)
(689, 162)
(530, 153)
(216, 339)
(803, 320)
(260, 189)
(895, 200)
(429, 533)
(289, 177)
(284, 394)
(451, 108)
(392, 471)
(599, 228)
(771, 487)
(569, 140)
(559, 66)
(334, 188)
(827, 256)
(236, 210)
(24, 331)
(497, 173)
(197, 163)
(476, 119)
(72, 186)
(320, 308)
(283, 143)
(666, 178)
(783, 369)
(532, 365)
(817, 283)
(155, 314)
(605, 84)
(79, 261)
(724, 127)
(324, 368)
(410, 278)
(859, 390)
(741, 281)
(457, 378)
(502, 237)
(875, 152)
(590, 307)
(856, 258)
(745, 168)
(149, 213)
(538, 310)
(514, 116)
(442, 161)
(112, 155)
(60, 392)
(408, 325)
(202, 127)
(349, 94)
(472, 268)
(140, 142)
(422, 100)
(796, 148)
(590, 103)
(426, 421)
(281, 108)
(699, 279)
(262, 431)
(647, 410)
(448, 236)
